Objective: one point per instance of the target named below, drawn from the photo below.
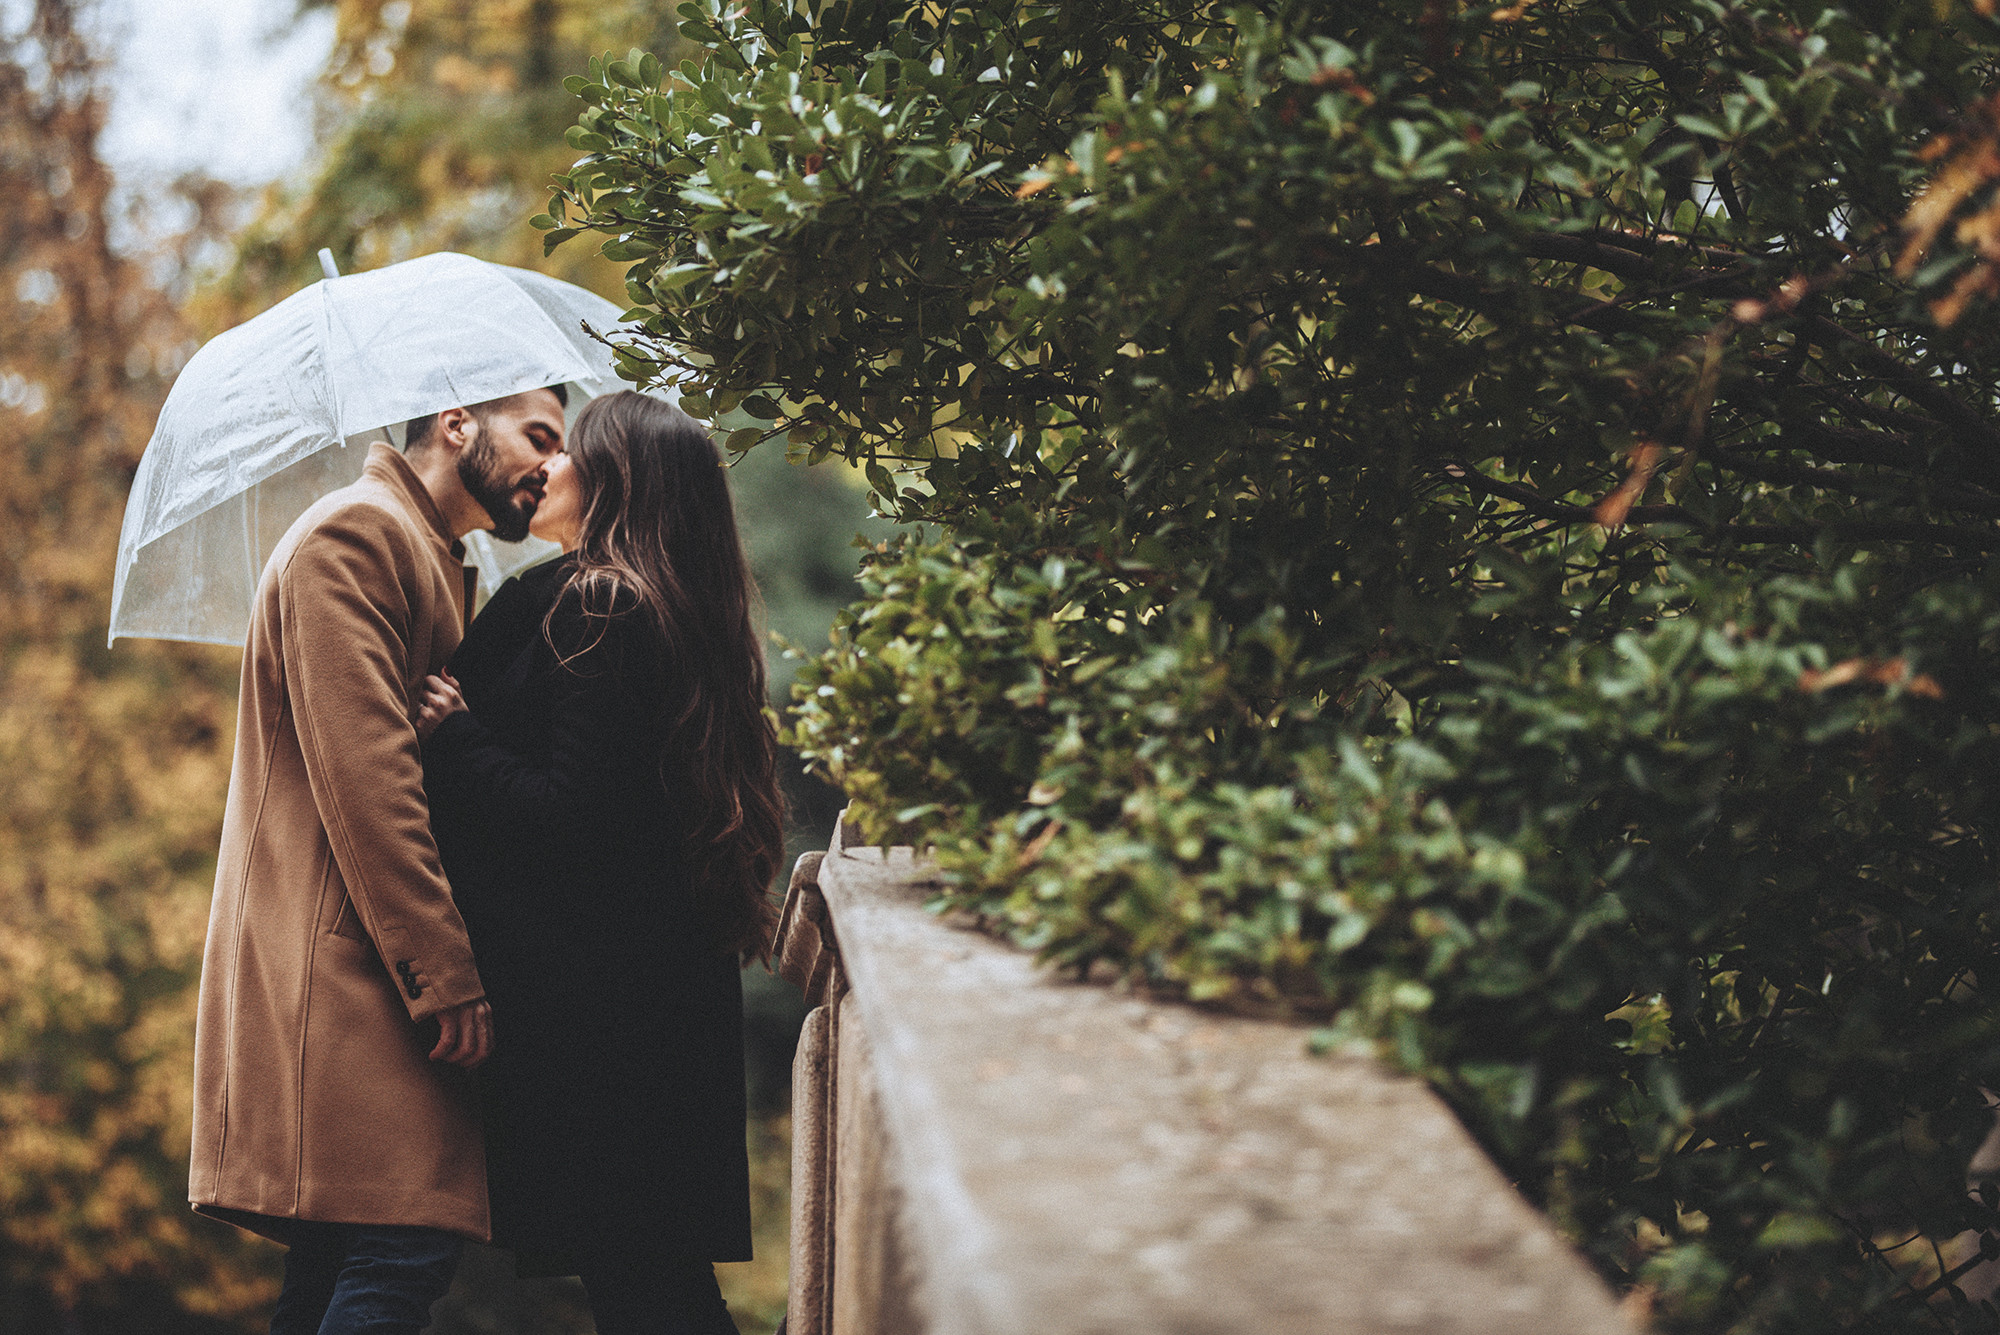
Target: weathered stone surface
(873, 1287)
(809, 1300)
(1071, 1161)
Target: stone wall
(981, 1148)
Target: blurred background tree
(439, 126)
(112, 764)
(440, 122)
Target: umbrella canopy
(275, 413)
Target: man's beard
(478, 469)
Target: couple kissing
(472, 968)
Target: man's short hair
(418, 430)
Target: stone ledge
(1072, 1161)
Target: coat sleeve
(602, 704)
(348, 617)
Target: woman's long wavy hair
(658, 535)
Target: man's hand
(465, 1034)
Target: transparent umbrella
(280, 410)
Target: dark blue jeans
(351, 1279)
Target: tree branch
(1898, 420)
(1791, 535)
(1748, 462)
(1607, 248)
(1502, 305)
(1907, 380)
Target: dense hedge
(1470, 526)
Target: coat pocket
(333, 890)
(348, 924)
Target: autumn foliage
(112, 764)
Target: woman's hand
(440, 700)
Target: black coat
(614, 1101)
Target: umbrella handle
(326, 264)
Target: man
(328, 1115)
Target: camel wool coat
(333, 934)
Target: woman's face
(559, 518)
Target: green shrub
(1471, 527)
(1686, 940)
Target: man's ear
(457, 428)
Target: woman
(603, 788)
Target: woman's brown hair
(658, 537)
